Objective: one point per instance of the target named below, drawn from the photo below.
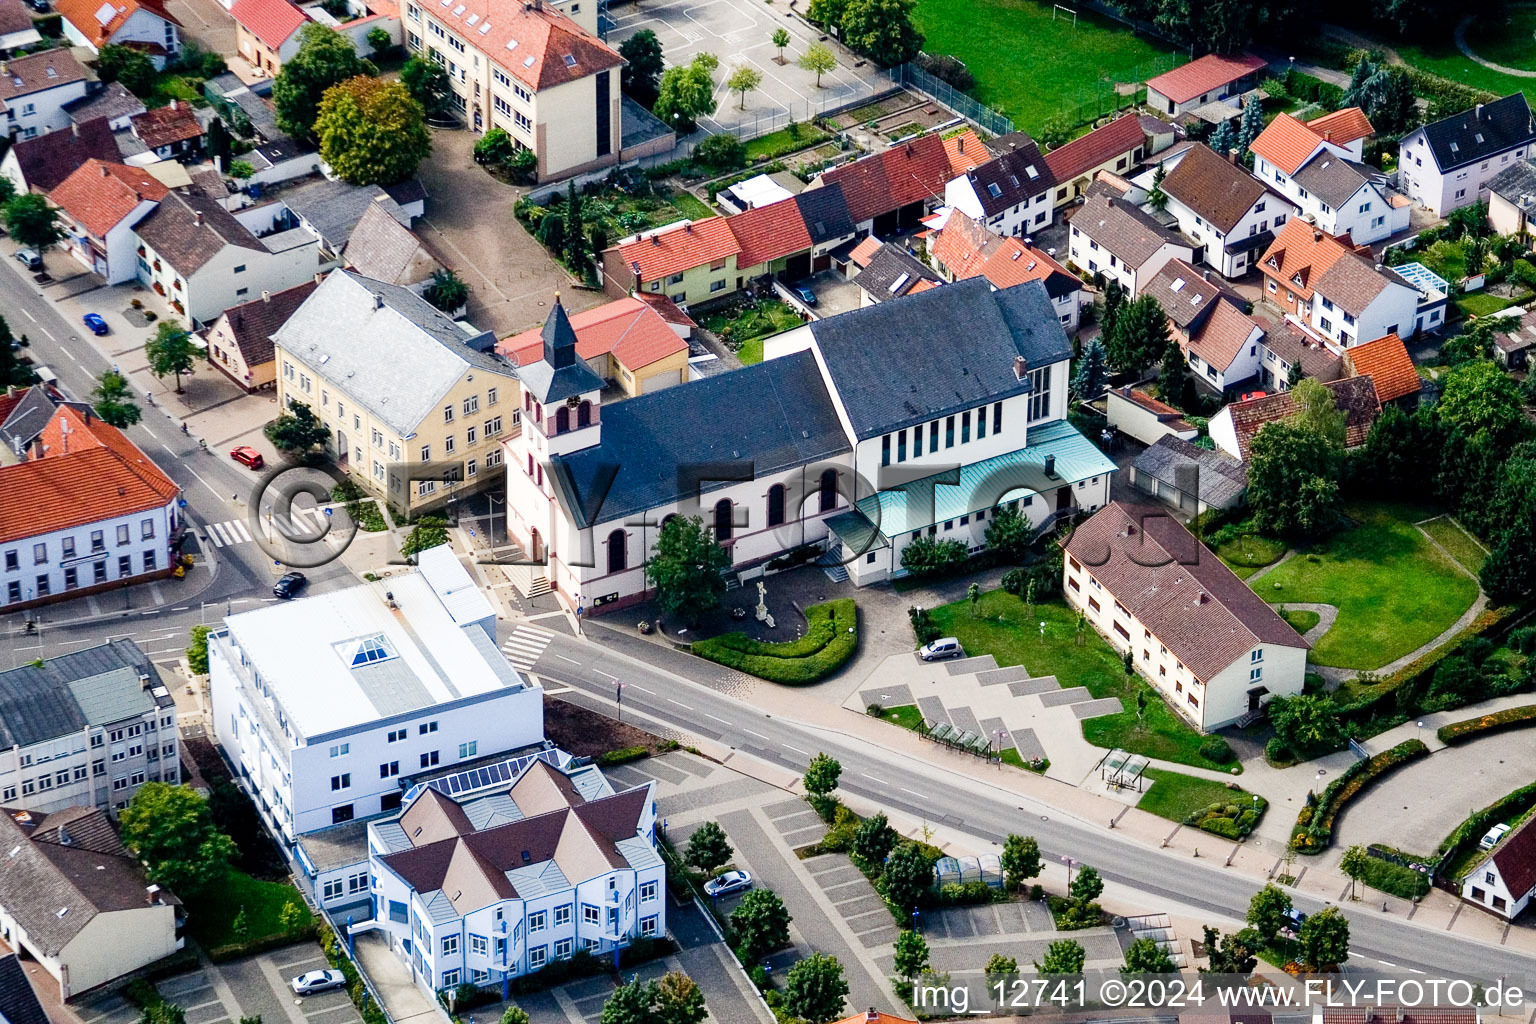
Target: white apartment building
(1111, 237)
(478, 884)
(1448, 164)
(34, 90)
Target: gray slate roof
(891, 273)
(890, 373)
(388, 348)
(382, 248)
(1332, 178)
(333, 208)
(1480, 132)
(775, 415)
(1222, 479)
(1516, 184)
(18, 1003)
(1124, 230)
(95, 686)
(185, 241)
(111, 101)
(27, 420)
(559, 374)
(825, 212)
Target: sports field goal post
(1065, 12)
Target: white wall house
(1224, 208)
(145, 23)
(34, 90)
(100, 203)
(1010, 193)
(1448, 164)
(494, 883)
(1505, 881)
(1112, 237)
(1316, 165)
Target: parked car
(247, 456)
(1294, 919)
(1492, 837)
(95, 323)
(944, 647)
(724, 885)
(805, 295)
(290, 585)
(30, 258)
(309, 983)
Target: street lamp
(618, 697)
(999, 734)
(1069, 862)
(915, 925)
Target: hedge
(260, 944)
(829, 641)
(1394, 879)
(1509, 718)
(1314, 825)
(623, 755)
(1477, 824)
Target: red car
(247, 456)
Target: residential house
(41, 163)
(1505, 880)
(16, 29)
(1161, 135)
(82, 509)
(1512, 198)
(1010, 193)
(1289, 344)
(1190, 478)
(1387, 363)
(626, 341)
(1206, 80)
(890, 191)
(1119, 147)
(1316, 165)
(1210, 646)
(86, 728)
(100, 204)
(1219, 340)
(267, 32)
(966, 150)
(963, 248)
(1235, 425)
(1449, 164)
(203, 259)
(171, 132)
(1513, 338)
(993, 400)
(331, 209)
(327, 706)
(1111, 237)
(539, 73)
(145, 25)
(76, 902)
(112, 101)
(1217, 203)
(411, 399)
(1140, 415)
(383, 249)
(34, 90)
(1337, 290)
(240, 339)
(891, 272)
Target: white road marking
(874, 778)
(759, 735)
(151, 433)
(47, 332)
(573, 661)
(30, 316)
(797, 750)
(680, 704)
(1389, 963)
(205, 483)
(637, 686)
(716, 718)
(914, 792)
(600, 672)
(66, 351)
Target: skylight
(1030, 170)
(896, 284)
(471, 19)
(528, 61)
(485, 28)
(511, 44)
(458, 11)
(570, 61)
(1178, 285)
(994, 190)
(365, 650)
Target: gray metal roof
(389, 349)
(538, 879)
(1222, 479)
(65, 694)
(333, 208)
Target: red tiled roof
(1221, 336)
(1301, 254)
(1286, 143)
(862, 252)
(1207, 74)
(537, 44)
(967, 249)
(660, 254)
(82, 15)
(102, 475)
(875, 1017)
(100, 194)
(1387, 363)
(965, 152)
(670, 311)
(904, 174)
(769, 232)
(1101, 145)
(1343, 126)
(631, 330)
(271, 21)
(1355, 396)
(163, 126)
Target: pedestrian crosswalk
(224, 534)
(304, 522)
(525, 645)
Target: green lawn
(783, 141)
(1441, 57)
(1175, 796)
(691, 206)
(1249, 553)
(906, 716)
(1481, 304)
(1001, 628)
(1300, 619)
(1394, 590)
(1449, 534)
(750, 323)
(1031, 67)
(212, 918)
(1506, 38)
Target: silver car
(730, 882)
(309, 983)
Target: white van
(46, 375)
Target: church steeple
(559, 338)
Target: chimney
(1379, 267)
(389, 599)
(909, 149)
(173, 104)
(1205, 274)
(74, 127)
(961, 144)
(1327, 134)
(104, 172)
(152, 895)
(378, 301)
(655, 240)
(266, 296)
(1232, 155)
(1201, 598)
(319, 277)
(1477, 113)
(1020, 367)
(1317, 236)
(1109, 200)
(688, 227)
(872, 1017)
(1050, 466)
(197, 217)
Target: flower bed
(830, 639)
(1314, 825)
(1509, 718)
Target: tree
(1086, 886)
(429, 532)
(447, 291)
(325, 58)
(1324, 939)
(1294, 375)
(170, 351)
(874, 839)
(678, 1000)
(575, 232)
(687, 93)
(170, 830)
(1055, 131)
(379, 41)
(298, 431)
(911, 957)
(1020, 859)
(1092, 372)
(1509, 571)
(630, 1004)
(552, 232)
(780, 40)
(1001, 963)
(1064, 956)
(428, 83)
(494, 148)
(1478, 397)
(515, 1015)
(743, 80)
(1267, 910)
(685, 568)
(1232, 953)
(821, 775)
(908, 875)
(293, 917)
(163, 1012)
(1114, 305)
(1308, 724)
(882, 30)
(131, 67)
(1292, 480)
(722, 152)
(760, 924)
(1317, 411)
(814, 989)
(1157, 198)
(818, 57)
(112, 401)
(827, 13)
(197, 650)
(371, 131)
(7, 192)
(1170, 381)
(220, 143)
(1249, 128)
(640, 76)
(1385, 94)
(32, 222)
(1145, 956)
(1140, 335)
(1009, 534)
(241, 169)
(1353, 864)
(1223, 139)
(708, 849)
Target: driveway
(469, 220)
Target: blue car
(805, 295)
(97, 325)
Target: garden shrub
(928, 557)
(1394, 879)
(624, 755)
(1314, 826)
(1225, 827)
(924, 629)
(1216, 748)
(830, 639)
(1509, 718)
(957, 894)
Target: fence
(1086, 104)
(914, 77)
